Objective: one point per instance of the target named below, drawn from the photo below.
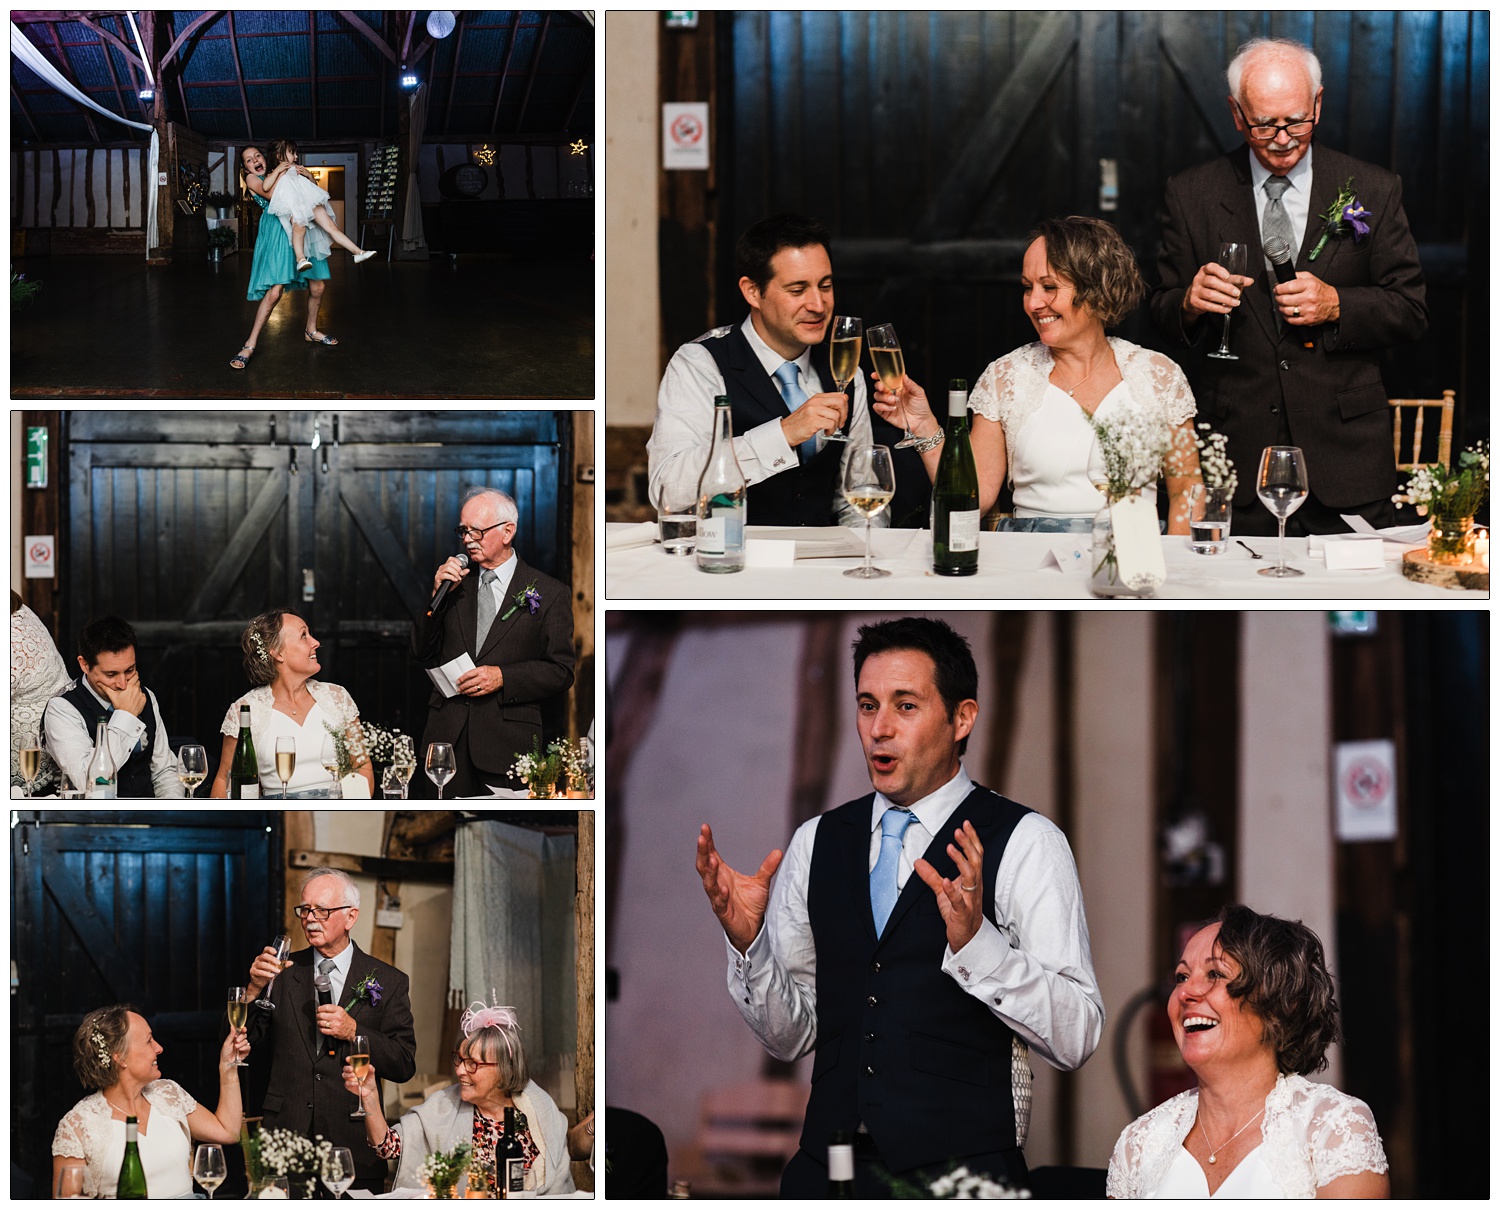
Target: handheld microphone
(325, 996)
(437, 597)
(1279, 253)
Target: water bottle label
(250, 790)
(963, 530)
(102, 789)
(711, 535)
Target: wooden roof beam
(458, 47)
(583, 78)
(312, 50)
(114, 77)
(411, 21)
(239, 76)
(67, 70)
(375, 39)
(536, 62)
(192, 28)
(26, 113)
(515, 23)
(115, 40)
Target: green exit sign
(36, 457)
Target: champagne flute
(885, 353)
(283, 947)
(238, 1009)
(1281, 485)
(286, 759)
(404, 758)
(192, 766)
(869, 484)
(843, 358)
(329, 759)
(208, 1167)
(440, 766)
(1235, 258)
(338, 1171)
(359, 1060)
(29, 750)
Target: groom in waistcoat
(919, 997)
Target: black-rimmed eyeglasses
(465, 532)
(470, 1065)
(303, 910)
(1265, 134)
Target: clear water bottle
(721, 500)
(101, 777)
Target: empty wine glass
(440, 766)
(1281, 485)
(845, 341)
(338, 1171)
(192, 766)
(890, 365)
(29, 750)
(208, 1167)
(869, 484)
(1234, 258)
(283, 953)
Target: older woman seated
(1253, 1012)
(115, 1055)
(492, 1076)
(1033, 407)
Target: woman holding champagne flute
(291, 713)
(115, 1056)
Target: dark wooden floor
(483, 327)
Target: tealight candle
(1482, 548)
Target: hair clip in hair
(480, 1015)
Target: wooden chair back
(1445, 431)
(746, 1134)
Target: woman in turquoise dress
(274, 266)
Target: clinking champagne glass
(359, 1060)
(283, 952)
(329, 759)
(338, 1171)
(440, 766)
(845, 341)
(885, 353)
(404, 758)
(29, 752)
(286, 760)
(238, 1008)
(208, 1167)
(1281, 485)
(869, 484)
(1235, 258)
(192, 766)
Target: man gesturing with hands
(920, 998)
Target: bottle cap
(721, 401)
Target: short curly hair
(260, 642)
(98, 1040)
(1093, 257)
(501, 1045)
(1284, 980)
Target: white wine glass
(1235, 258)
(845, 341)
(238, 1008)
(286, 760)
(283, 954)
(404, 757)
(329, 759)
(338, 1171)
(1281, 484)
(69, 1186)
(869, 484)
(192, 766)
(208, 1167)
(359, 1060)
(29, 753)
(890, 366)
(440, 766)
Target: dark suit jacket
(306, 1091)
(533, 651)
(1330, 396)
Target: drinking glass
(390, 784)
(1235, 258)
(286, 760)
(1281, 485)
(192, 766)
(359, 1060)
(69, 1186)
(30, 753)
(869, 484)
(440, 766)
(238, 1008)
(1210, 509)
(843, 357)
(283, 947)
(404, 758)
(329, 759)
(338, 1171)
(885, 353)
(676, 516)
(208, 1167)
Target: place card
(769, 552)
(1353, 552)
(1070, 554)
(1138, 542)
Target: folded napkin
(1402, 535)
(817, 541)
(628, 537)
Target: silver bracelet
(929, 443)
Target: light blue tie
(794, 397)
(883, 888)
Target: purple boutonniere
(367, 988)
(1344, 216)
(528, 597)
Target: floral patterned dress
(489, 1135)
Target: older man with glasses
(1307, 342)
(309, 1032)
(504, 633)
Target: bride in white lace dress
(115, 1054)
(1032, 407)
(1253, 1013)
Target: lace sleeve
(1124, 1164)
(231, 724)
(171, 1097)
(1342, 1140)
(338, 702)
(1161, 380)
(985, 398)
(69, 1138)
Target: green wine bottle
(244, 773)
(955, 493)
(132, 1176)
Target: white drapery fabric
(413, 238)
(38, 63)
(514, 933)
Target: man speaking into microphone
(515, 626)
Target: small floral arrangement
(382, 743)
(1345, 215)
(1214, 461)
(349, 743)
(1133, 447)
(963, 1185)
(441, 1170)
(367, 988)
(276, 1152)
(542, 772)
(528, 596)
(21, 290)
(1442, 492)
(101, 1049)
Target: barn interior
(458, 145)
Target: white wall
(81, 173)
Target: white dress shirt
(71, 742)
(1034, 972)
(339, 975)
(1297, 199)
(683, 432)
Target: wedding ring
(1296, 312)
(961, 887)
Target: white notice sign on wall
(1365, 790)
(684, 134)
(41, 556)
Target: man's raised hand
(960, 901)
(738, 900)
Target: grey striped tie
(1275, 222)
(486, 608)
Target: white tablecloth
(1010, 568)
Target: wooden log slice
(1417, 565)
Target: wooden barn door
(161, 911)
(189, 525)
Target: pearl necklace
(1093, 365)
(1213, 1152)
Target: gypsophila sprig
(349, 744)
(278, 1152)
(963, 1185)
(542, 772)
(1133, 444)
(1213, 459)
(381, 742)
(441, 1169)
(1451, 492)
(101, 1048)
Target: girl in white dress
(300, 204)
